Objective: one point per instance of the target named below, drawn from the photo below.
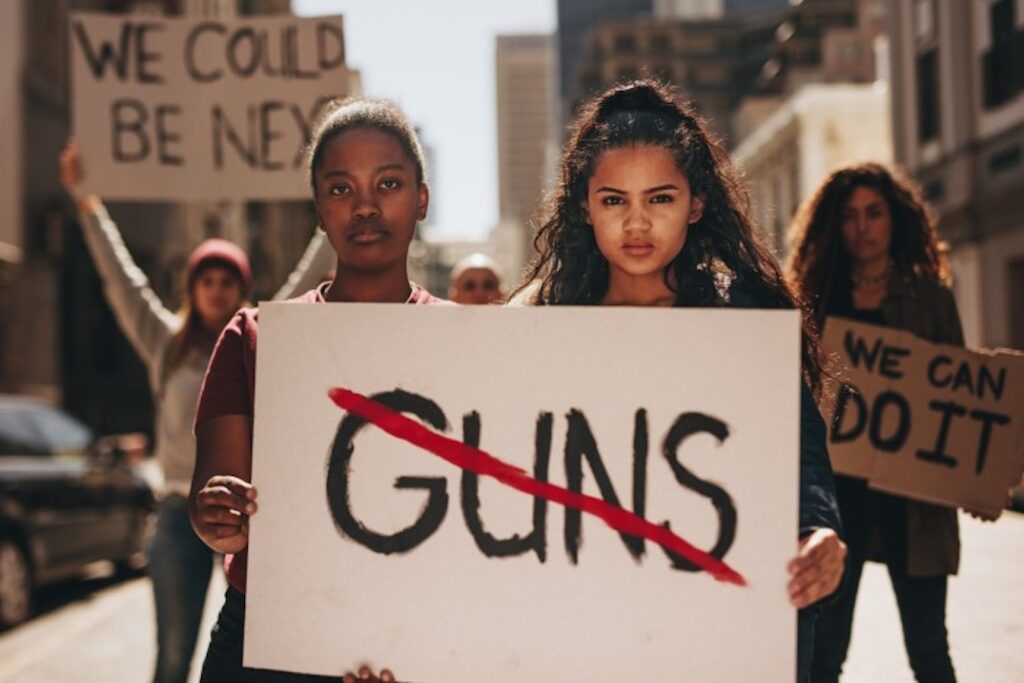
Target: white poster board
(937, 423)
(200, 109)
(726, 383)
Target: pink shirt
(229, 387)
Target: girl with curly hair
(648, 211)
(866, 248)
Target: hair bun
(636, 96)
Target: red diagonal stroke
(481, 462)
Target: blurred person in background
(865, 248)
(476, 279)
(175, 347)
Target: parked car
(65, 502)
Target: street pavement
(984, 613)
(102, 629)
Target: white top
(150, 327)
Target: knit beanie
(220, 252)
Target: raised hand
(70, 172)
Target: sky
(436, 59)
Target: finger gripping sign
(185, 109)
(541, 493)
(932, 422)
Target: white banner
(186, 109)
(368, 548)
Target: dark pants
(921, 600)
(224, 657)
(805, 625)
(180, 566)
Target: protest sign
(525, 494)
(932, 422)
(185, 109)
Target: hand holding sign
(366, 674)
(223, 508)
(421, 524)
(817, 568)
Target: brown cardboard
(929, 407)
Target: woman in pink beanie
(175, 347)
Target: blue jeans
(180, 566)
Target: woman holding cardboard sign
(175, 346)
(368, 178)
(866, 248)
(649, 212)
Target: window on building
(1015, 283)
(625, 44)
(663, 72)
(928, 94)
(627, 73)
(849, 52)
(935, 191)
(1002, 65)
(1004, 159)
(661, 44)
(924, 20)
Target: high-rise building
(524, 66)
(958, 124)
(821, 102)
(714, 9)
(714, 62)
(824, 41)
(576, 18)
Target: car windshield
(29, 427)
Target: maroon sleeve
(228, 385)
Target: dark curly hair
(819, 265)
(722, 256)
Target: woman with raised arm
(175, 347)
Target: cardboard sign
(932, 422)
(184, 109)
(442, 491)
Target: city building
(524, 88)
(715, 62)
(576, 18)
(713, 9)
(958, 124)
(820, 102)
(800, 52)
(12, 239)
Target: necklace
(872, 281)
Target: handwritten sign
(937, 423)
(181, 109)
(577, 493)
